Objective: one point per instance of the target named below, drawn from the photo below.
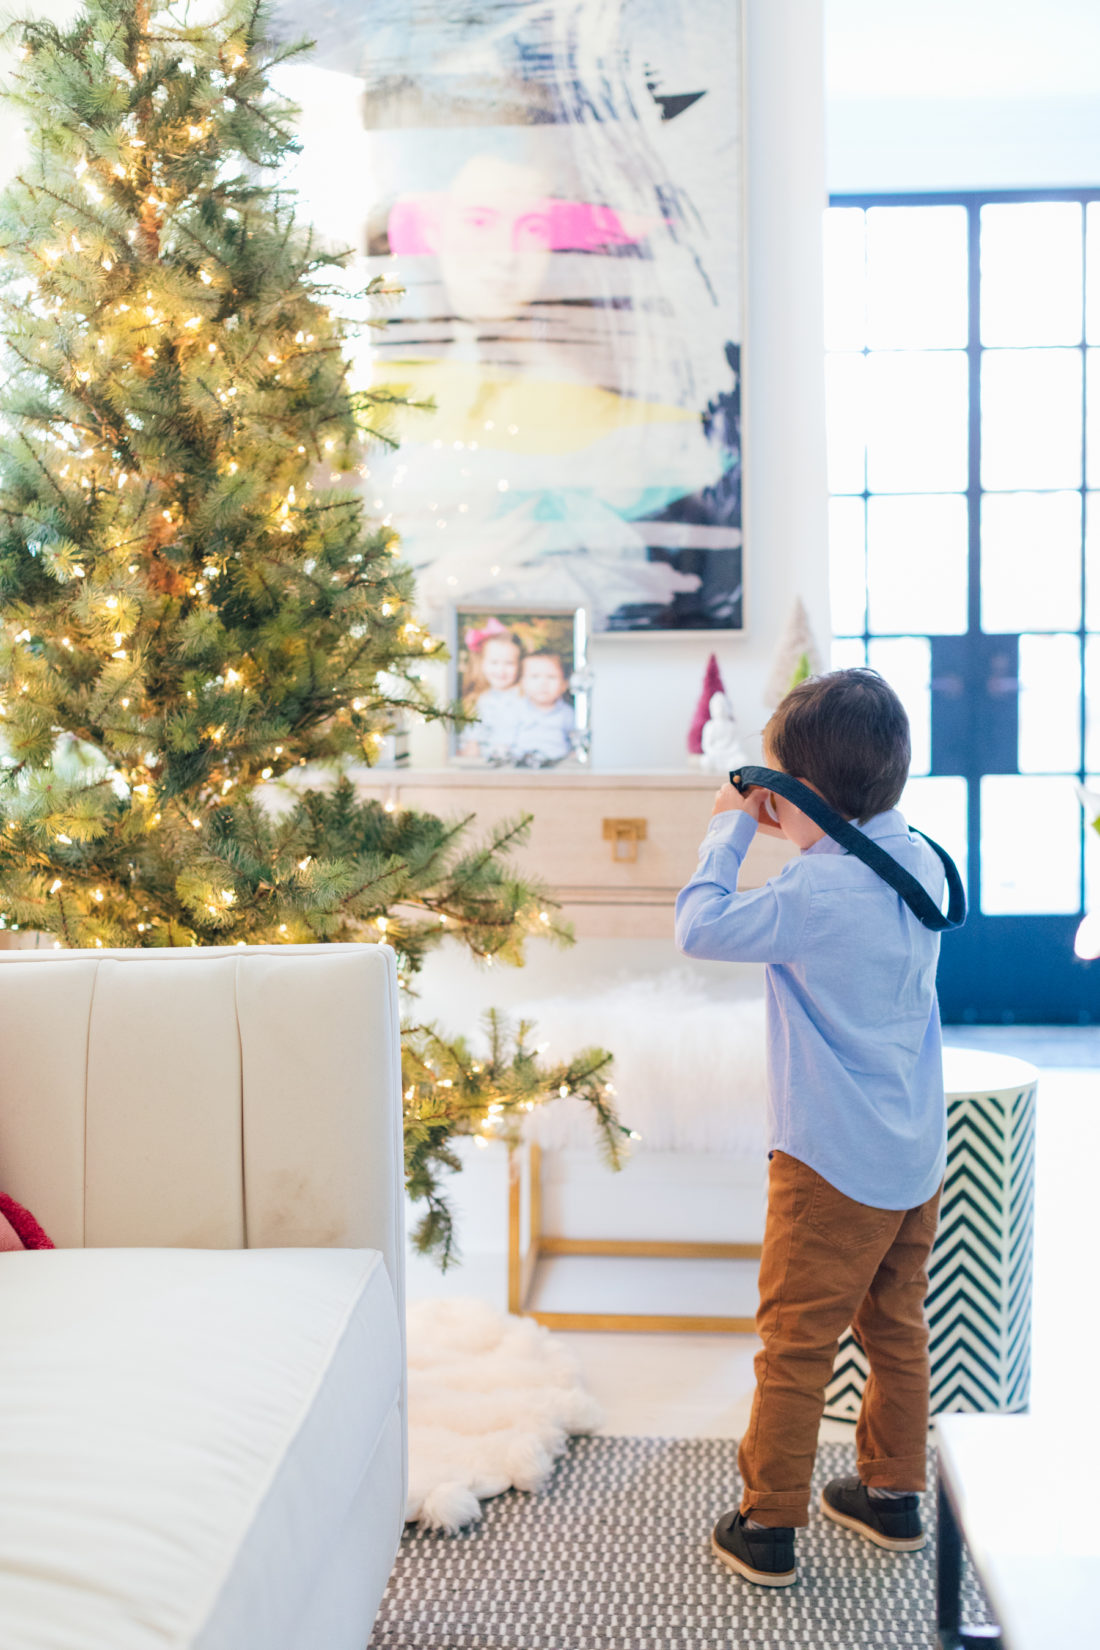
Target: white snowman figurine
(722, 747)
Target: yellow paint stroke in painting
(547, 415)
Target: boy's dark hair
(848, 734)
(544, 653)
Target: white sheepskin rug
(492, 1400)
(690, 1068)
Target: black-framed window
(963, 339)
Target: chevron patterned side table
(979, 1295)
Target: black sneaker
(763, 1556)
(893, 1524)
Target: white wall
(962, 94)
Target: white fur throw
(689, 1068)
(492, 1399)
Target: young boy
(857, 1119)
(546, 718)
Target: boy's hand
(729, 798)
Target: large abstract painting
(558, 186)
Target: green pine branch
(450, 1094)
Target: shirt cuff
(734, 829)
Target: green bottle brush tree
(193, 602)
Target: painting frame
(587, 437)
(542, 631)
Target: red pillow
(18, 1224)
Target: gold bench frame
(521, 1265)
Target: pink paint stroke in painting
(558, 225)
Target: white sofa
(203, 1438)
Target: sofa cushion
(182, 1436)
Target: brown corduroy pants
(827, 1263)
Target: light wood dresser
(614, 847)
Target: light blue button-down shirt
(855, 1070)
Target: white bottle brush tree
(193, 602)
(796, 656)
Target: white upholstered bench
(690, 1080)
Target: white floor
(701, 1385)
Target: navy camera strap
(850, 837)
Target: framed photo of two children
(521, 677)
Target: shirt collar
(890, 823)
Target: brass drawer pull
(624, 836)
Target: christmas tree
(193, 602)
(712, 684)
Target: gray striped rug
(615, 1553)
